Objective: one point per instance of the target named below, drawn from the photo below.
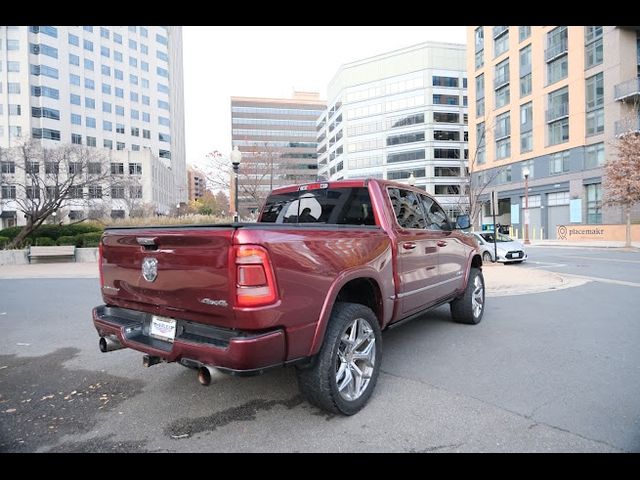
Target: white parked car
(509, 250)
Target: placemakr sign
(596, 232)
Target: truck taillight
(100, 246)
(255, 281)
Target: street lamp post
(525, 174)
(236, 156)
(412, 180)
(53, 214)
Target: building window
(448, 153)
(445, 135)
(447, 189)
(503, 96)
(117, 168)
(595, 122)
(95, 168)
(479, 44)
(501, 40)
(501, 77)
(594, 203)
(117, 192)
(526, 126)
(397, 157)
(405, 138)
(135, 169)
(557, 69)
(13, 66)
(120, 145)
(594, 104)
(559, 163)
(95, 192)
(446, 171)
(444, 117)
(594, 47)
(9, 191)
(76, 139)
(445, 81)
(524, 32)
(164, 154)
(74, 40)
(525, 85)
(594, 155)
(107, 144)
(439, 99)
(135, 191)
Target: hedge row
(54, 232)
(90, 239)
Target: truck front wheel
(343, 375)
(470, 306)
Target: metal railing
(556, 50)
(627, 126)
(627, 89)
(557, 112)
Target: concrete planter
(19, 257)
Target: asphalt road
(548, 372)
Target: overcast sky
(220, 62)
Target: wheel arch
(361, 288)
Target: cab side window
(436, 218)
(406, 206)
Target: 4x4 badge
(150, 269)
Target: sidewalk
(50, 270)
(584, 244)
(500, 280)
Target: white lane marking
(604, 259)
(603, 280)
(546, 264)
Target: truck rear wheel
(344, 373)
(470, 306)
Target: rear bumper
(232, 350)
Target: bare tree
(42, 180)
(477, 185)
(259, 172)
(622, 177)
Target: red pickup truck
(326, 268)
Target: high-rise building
(399, 114)
(117, 88)
(277, 138)
(549, 101)
(197, 183)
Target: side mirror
(463, 222)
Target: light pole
(236, 156)
(525, 174)
(412, 180)
(53, 214)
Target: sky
(221, 62)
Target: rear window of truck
(331, 206)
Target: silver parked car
(509, 250)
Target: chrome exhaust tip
(204, 375)
(109, 344)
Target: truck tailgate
(191, 268)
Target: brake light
(255, 281)
(100, 246)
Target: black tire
(486, 257)
(462, 308)
(318, 382)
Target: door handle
(442, 243)
(409, 245)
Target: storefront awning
(8, 214)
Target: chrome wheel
(356, 359)
(477, 298)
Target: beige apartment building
(196, 183)
(549, 100)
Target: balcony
(557, 112)
(499, 30)
(555, 51)
(628, 91)
(500, 81)
(627, 126)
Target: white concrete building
(400, 113)
(118, 88)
